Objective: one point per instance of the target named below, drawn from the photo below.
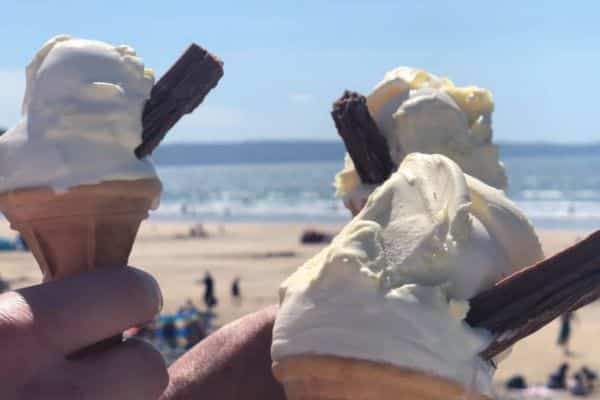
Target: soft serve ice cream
(419, 112)
(393, 286)
(70, 182)
(82, 118)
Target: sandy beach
(263, 255)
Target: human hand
(232, 363)
(40, 325)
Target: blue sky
(285, 62)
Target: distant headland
(272, 151)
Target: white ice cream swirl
(419, 112)
(82, 117)
(393, 285)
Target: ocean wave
(309, 209)
(560, 209)
(555, 194)
(543, 213)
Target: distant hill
(548, 149)
(248, 152)
(306, 151)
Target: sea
(557, 191)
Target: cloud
(12, 87)
(302, 98)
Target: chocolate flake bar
(365, 145)
(181, 89)
(527, 300)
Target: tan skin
(41, 324)
(233, 363)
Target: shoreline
(561, 223)
(569, 224)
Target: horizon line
(330, 141)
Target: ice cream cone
(317, 377)
(84, 228)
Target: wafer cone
(316, 377)
(84, 228)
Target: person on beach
(235, 289)
(558, 379)
(37, 333)
(580, 387)
(209, 291)
(194, 332)
(169, 332)
(564, 335)
(188, 307)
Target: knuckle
(16, 340)
(16, 318)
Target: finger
(232, 363)
(16, 339)
(78, 311)
(130, 371)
